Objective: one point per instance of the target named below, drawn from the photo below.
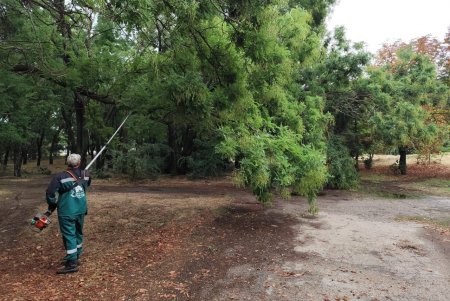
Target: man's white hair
(73, 160)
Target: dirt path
(356, 250)
(207, 240)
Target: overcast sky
(379, 21)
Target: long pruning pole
(104, 147)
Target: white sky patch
(378, 21)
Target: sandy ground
(355, 250)
(175, 239)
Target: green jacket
(71, 186)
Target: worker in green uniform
(71, 186)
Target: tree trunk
(39, 143)
(39, 156)
(64, 28)
(71, 147)
(17, 157)
(171, 142)
(5, 159)
(32, 154)
(356, 147)
(402, 150)
(101, 159)
(81, 146)
(24, 157)
(188, 148)
(53, 146)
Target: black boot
(64, 262)
(71, 266)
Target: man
(71, 187)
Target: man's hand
(51, 208)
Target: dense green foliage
(338, 79)
(407, 93)
(210, 84)
(343, 174)
(252, 87)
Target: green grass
(432, 186)
(441, 183)
(381, 192)
(374, 177)
(444, 223)
(441, 223)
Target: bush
(341, 168)
(140, 162)
(205, 162)
(100, 173)
(446, 147)
(368, 163)
(44, 170)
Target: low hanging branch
(28, 69)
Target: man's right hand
(51, 208)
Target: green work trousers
(72, 233)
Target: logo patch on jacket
(77, 192)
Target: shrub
(44, 170)
(368, 162)
(140, 161)
(205, 162)
(341, 168)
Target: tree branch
(28, 69)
